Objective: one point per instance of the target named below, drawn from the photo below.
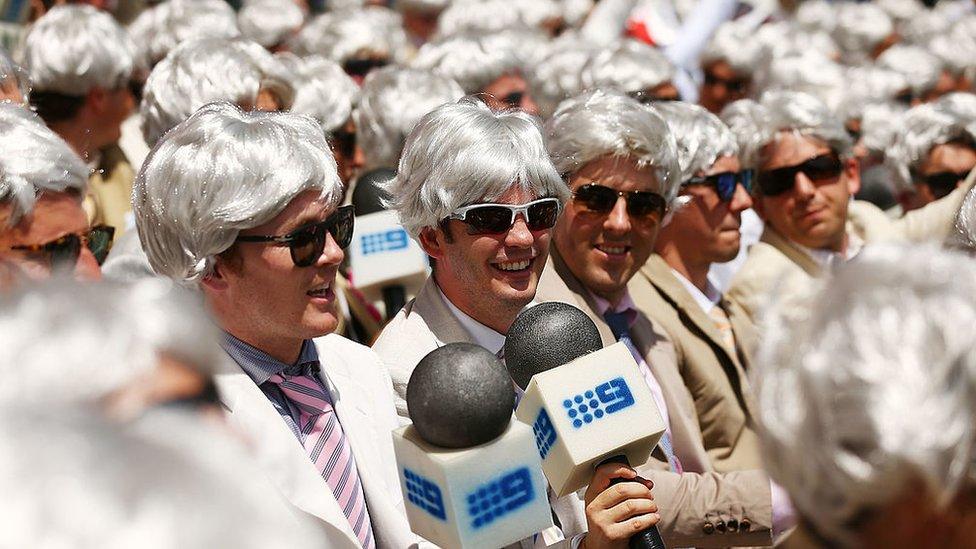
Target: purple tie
(323, 439)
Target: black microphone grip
(649, 538)
(394, 298)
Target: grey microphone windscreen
(459, 396)
(367, 196)
(547, 336)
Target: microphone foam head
(547, 336)
(459, 396)
(367, 196)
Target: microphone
(385, 262)
(587, 405)
(471, 474)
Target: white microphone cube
(486, 496)
(382, 254)
(583, 412)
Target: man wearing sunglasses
(806, 175)
(477, 189)
(620, 162)
(245, 207)
(43, 227)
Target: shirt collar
(483, 335)
(259, 365)
(708, 299)
(827, 258)
(626, 306)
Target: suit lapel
(573, 293)
(439, 318)
(787, 248)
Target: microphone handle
(649, 538)
(394, 298)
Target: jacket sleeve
(936, 221)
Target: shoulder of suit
(868, 221)
(346, 349)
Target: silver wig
(733, 43)
(860, 28)
(495, 15)
(801, 114)
(701, 136)
(746, 119)
(161, 28)
(556, 76)
(74, 48)
(392, 101)
(919, 130)
(869, 386)
(34, 160)
(323, 91)
(602, 123)
(468, 60)
(13, 75)
(270, 22)
(629, 66)
(222, 171)
(354, 33)
(920, 67)
(463, 153)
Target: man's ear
(432, 241)
(215, 281)
(97, 99)
(852, 172)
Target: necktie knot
(301, 386)
(619, 323)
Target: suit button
(708, 528)
(720, 527)
(745, 525)
(733, 525)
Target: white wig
(870, 386)
(808, 71)
(746, 119)
(392, 102)
(801, 114)
(920, 67)
(74, 48)
(919, 130)
(276, 76)
(222, 171)
(630, 66)
(323, 91)
(34, 160)
(11, 74)
(468, 60)
(867, 85)
(270, 22)
(495, 15)
(860, 28)
(734, 44)
(702, 138)
(109, 337)
(556, 76)
(816, 15)
(161, 28)
(194, 74)
(879, 123)
(463, 153)
(924, 26)
(602, 123)
(901, 10)
(353, 34)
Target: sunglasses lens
(725, 184)
(543, 215)
(596, 198)
(65, 252)
(342, 226)
(645, 204)
(488, 220)
(100, 242)
(306, 245)
(944, 183)
(747, 178)
(821, 168)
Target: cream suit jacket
(362, 396)
(715, 376)
(698, 507)
(424, 324)
(776, 266)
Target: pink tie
(328, 448)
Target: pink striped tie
(328, 448)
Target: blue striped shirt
(260, 366)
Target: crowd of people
(769, 203)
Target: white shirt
(828, 258)
(708, 299)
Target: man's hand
(615, 513)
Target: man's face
(721, 86)
(264, 296)
(812, 213)
(55, 215)
(347, 152)
(604, 250)
(944, 159)
(706, 229)
(510, 91)
(491, 277)
(111, 107)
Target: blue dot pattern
(499, 497)
(423, 493)
(606, 398)
(386, 241)
(545, 433)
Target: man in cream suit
(478, 191)
(245, 206)
(712, 337)
(806, 175)
(619, 161)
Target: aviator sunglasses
(307, 242)
(65, 250)
(539, 215)
(725, 183)
(942, 183)
(640, 204)
(781, 180)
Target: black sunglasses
(725, 183)
(362, 67)
(514, 99)
(64, 250)
(942, 183)
(640, 204)
(307, 242)
(647, 98)
(735, 85)
(781, 180)
(539, 215)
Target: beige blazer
(776, 266)
(424, 324)
(715, 376)
(699, 507)
(109, 198)
(361, 392)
